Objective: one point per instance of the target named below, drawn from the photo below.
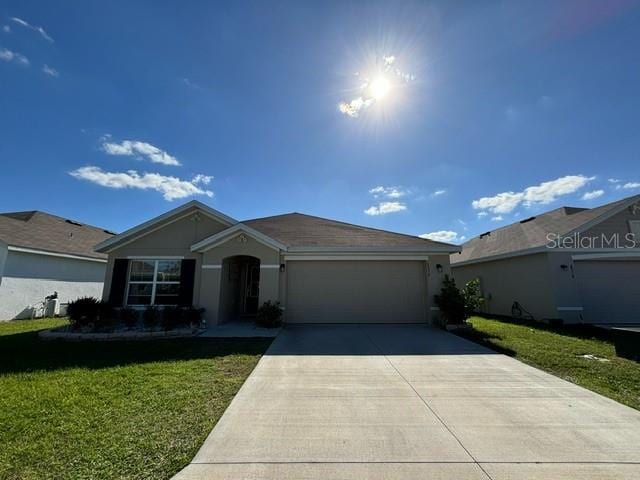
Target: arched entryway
(239, 287)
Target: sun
(379, 88)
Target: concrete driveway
(411, 402)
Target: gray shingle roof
(531, 233)
(42, 231)
(299, 230)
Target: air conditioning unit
(52, 307)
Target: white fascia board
(352, 257)
(232, 232)
(543, 249)
(617, 254)
(383, 250)
(54, 254)
(160, 221)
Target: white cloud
(541, 194)
(389, 192)
(497, 218)
(437, 193)
(191, 84)
(40, 30)
(6, 29)
(630, 185)
(501, 203)
(9, 56)
(613, 180)
(548, 192)
(592, 195)
(385, 207)
(447, 236)
(137, 149)
(482, 214)
(203, 179)
(365, 98)
(52, 72)
(355, 106)
(171, 187)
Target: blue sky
(114, 112)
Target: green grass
(559, 351)
(108, 410)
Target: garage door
(356, 292)
(610, 290)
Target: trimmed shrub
(457, 305)
(130, 317)
(472, 298)
(451, 302)
(83, 312)
(151, 316)
(193, 316)
(269, 315)
(172, 317)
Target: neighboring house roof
(297, 230)
(533, 232)
(44, 232)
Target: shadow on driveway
(353, 339)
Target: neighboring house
(579, 265)
(319, 270)
(41, 254)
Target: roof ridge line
(353, 225)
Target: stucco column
(269, 284)
(434, 283)
(210, 293)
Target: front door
(251, 289)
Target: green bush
(269, 315)
(457, 305)
(83, 312)
(451, 302)
(107, 319)
(472, 298)
(172, 317)
(130, 317)
(151, 316)
(193, 316)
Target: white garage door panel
(356, 292)
(610, 291)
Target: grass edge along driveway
(560, 351)
(113, 409)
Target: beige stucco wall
(526, 279)
(210, 290)
(174, 239)
(434, 283)
(617, 224)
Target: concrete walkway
(411, 402)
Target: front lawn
(114, 409)
(560, 351)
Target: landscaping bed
(584, 356)
(116, 409)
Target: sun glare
(379, 88)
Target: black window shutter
(187, 277)
(118, 281)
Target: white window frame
(154, 282)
